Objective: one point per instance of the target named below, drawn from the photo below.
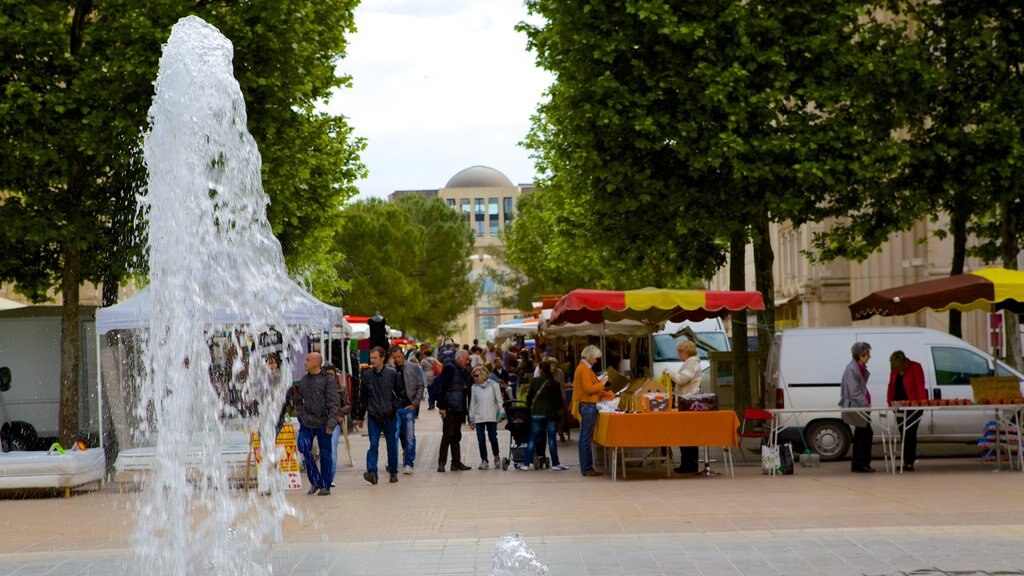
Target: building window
(509, 216)
(492, 215)
(479, 202)
(485, 322)
(464, 206)
(451, 203)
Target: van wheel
(830, 439)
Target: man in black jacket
(318, 415)
(382, 394)
(452, 392)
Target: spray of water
(215, 268)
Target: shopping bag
(769, 459)
(786, 459)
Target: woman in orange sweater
(586, 389)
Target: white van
(711, 337)
(806, 366)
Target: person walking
(411, 376)
(382, 394)
(318, 415)
(344, 409)
(451, 405)
(484, 408)
(853, 393)
(546, 403)
(906, 383)
(431, 370)
(586, 389)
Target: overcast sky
(438, 86)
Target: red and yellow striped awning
(988, 289)
(650, 305)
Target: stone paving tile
(818, 521)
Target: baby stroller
(518, 423)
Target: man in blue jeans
(318, 415)
(380, 397)
(411, 376)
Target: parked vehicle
(710, 336)
(806, 366)
(30, 356)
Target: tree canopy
(407, 259)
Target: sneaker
(460, 467)
(483, 466)
(313, 490)
(324, 492)
(393, 478)
(407, 470)
(333, 485)
(559, 467)
(370, 477)
(524, 466)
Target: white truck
(30, 398)
(806, 366)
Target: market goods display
(700, 402)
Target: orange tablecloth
(650, 429)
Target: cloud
(439, 86)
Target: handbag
(769, 459)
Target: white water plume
(216, 269)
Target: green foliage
(671, 123)
(407, 259)
(950, 77)
(77, 81)
(76, 94)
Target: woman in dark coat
(546, 403)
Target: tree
(78, 79)
(953, 84)
(714, 118)
(407, 259)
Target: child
(484, 408)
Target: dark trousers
(491, 430)
(688, 459)
(910, 437)
(451, 435)
(861, 446)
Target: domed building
(487, 200)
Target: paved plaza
(951, 516)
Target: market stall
(650, 308)
(120, 323)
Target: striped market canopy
(651, 306)
(988, 289)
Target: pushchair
(518, 423)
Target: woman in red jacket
(906, 382)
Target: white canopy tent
(297, 308)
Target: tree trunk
(958, 227)
(737, 281)
(1009, 246)
(71, 254)
(764, 280)
(70, 343)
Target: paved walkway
(951, 516)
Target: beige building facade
(487, 200)
(810, 295)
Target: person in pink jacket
(906, 383)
